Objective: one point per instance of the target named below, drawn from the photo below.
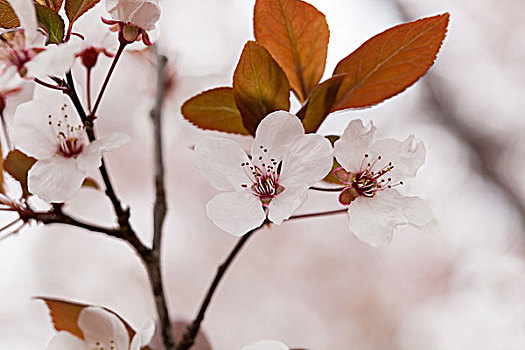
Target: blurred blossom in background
(309, 283)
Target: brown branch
(153, 260)
(192, 330)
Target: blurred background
(309, 283)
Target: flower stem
(332, 212)
(50, 86)
(88, 88)
(108, 76)
(192, 330)
(327, 189)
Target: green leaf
(320, 103)
(51, 22)
(215, 109)
(76, 8)
(17, 164)
(259, 86)
(8, 18)
(296, 35)
(390, 62)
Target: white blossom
(49, 129)
(266, 345)
(141, 13)
(273, 183)
(102, 330)
(371, 171)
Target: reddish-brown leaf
(296, 35)
(54, 5)
(64, 315)
(259, 86)
(17, 164)
(320, 103)
(215, 109)
(390, 62)
(76, 8)
(8, 18)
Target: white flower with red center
(371, 170)
(134, 18)
(273, 183)
(18, 52)
(49, 129)
(101, 330)
(266, 345)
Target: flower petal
(143, 336)
(65, 341)
(146, 15)
(219, 161)
(373, 220)
(266, 345)
(55, 179)
(236, 212)
(91, 157)
(309, 159)
(122, 10)
(274, 133)
(26, 13)
(353, 144)
(102, 329)
(406, 156)
(56, 60)
(286, 203)
(31, 132)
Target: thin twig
(108, 76)
(327, 189)
(50, 86)
(153, 263)
(192, 330)
(325, 213)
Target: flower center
(370, 179)
(70, 138)
(264, 177)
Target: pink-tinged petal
(102, 329)
(25, 11)
(10, 80)
(219, 161)
(66, 341)
(406, 156)
(55, 179)
(373, 220)
(122, 10)
(143, 336)
(286, 203)
(353, 144)
(236, 212)
(266, 345)
(274, 133)
(146, 15)
(91, 156)
(31, 132)
(56, 60)
(309, 159)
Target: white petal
(9, 79)
(25, 11)
(406, 156)
(31, 132)
(219, 161)
(236, 212)
(266, 345)
(274, 133)
(286, 203)
(373, 220)
(56, 60)
(101, 326)
(143, 336)
(146, 15)
(309, 159)
(65, 341)
(122, 10)
(353, 144)
(55, 179)
(91, 156)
